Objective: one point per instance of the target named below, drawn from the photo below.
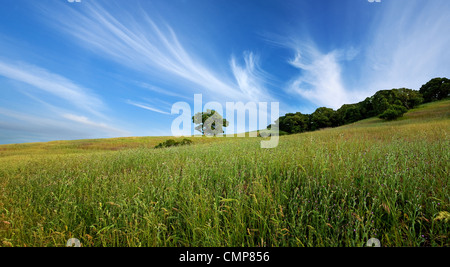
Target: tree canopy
(386, 104)
(323, 118)
(294, 123)
(210, 122)
(435, 89)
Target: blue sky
(100, 69)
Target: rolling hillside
(333, 187)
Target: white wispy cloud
(95, 125)
(250, 78)
(408, 45)
(18, 126)
(147, 107)
(405, 46)
(53, 84)
(159, 90)
(320, 78)
(55, 95)
(140, 43)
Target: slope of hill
(333, 187)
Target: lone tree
(210, 122)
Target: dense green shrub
(393, 112)
(171, 142)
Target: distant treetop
(435, 89)
(386, 104)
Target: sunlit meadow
(334, 187)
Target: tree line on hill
(386, 104)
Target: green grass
(334, 187)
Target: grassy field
(334, 187)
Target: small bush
(171, 142)
(393, 112)
(185, 142)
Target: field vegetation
(333, 187)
